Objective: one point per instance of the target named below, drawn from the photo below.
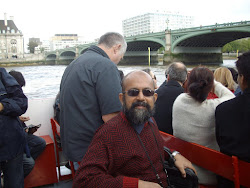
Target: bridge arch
(50, 56)
(143, 44)
(67, 53)
(215, 38)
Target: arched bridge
(191, 45)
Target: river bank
(30, 62)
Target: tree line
(242, 45)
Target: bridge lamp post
(167, 21)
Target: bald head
(138, 97)
(137, 77)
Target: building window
(13, 46)
(13, 49)
(13, 41)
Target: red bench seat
(229, 167)
(44, 171)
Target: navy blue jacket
(12, 135)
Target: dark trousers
(13, 172)
(36, 145)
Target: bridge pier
(141, 58)
(194, 58)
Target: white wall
(40, 111)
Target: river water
(44, 81)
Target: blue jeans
(13, 172)
(36, 145)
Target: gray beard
(138, 116)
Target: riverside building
(155, 22)
(11, 39)
(61, 41)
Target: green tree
(31, 46)
(42, 49)
(227, 48)
(243, 45)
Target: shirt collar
(139, 128)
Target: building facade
(11, 40)
(155, 22)
(61, 41)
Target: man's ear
(117, 48)
(168, 77)
(155, 96)
(121, 98)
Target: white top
(195, 122)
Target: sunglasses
(135, 92)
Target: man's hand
(1, 107)
(147, 184)
(181, 163)
(32, 130)
(23, 119)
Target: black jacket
(167, 93)
(233, 126)
(12, 135)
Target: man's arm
(147, 184)
(14, 102)
(108, 88)
(107, 117)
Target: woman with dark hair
(194, 115)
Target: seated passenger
(36, 144)
(233, 119)
(56, 107)
(152, 76)
(193, 115)
(224, 76)
(117, 155)
(170, 89)
(235, 74)
(13, 103)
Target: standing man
(13, 103)
(89, 93)
(127, 151)
(176, 75)
(233, 119)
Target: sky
(92, 18)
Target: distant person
(194, 115)
(89, 93)
(117, 156)
(150, 72)
(233, 119)
(170, 89)
(36, 144)
(13, 103)
(56, 107)
(224, 76)
(237, 91)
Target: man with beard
(127, 151)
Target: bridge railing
(213, 26)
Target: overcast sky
(92, 18)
